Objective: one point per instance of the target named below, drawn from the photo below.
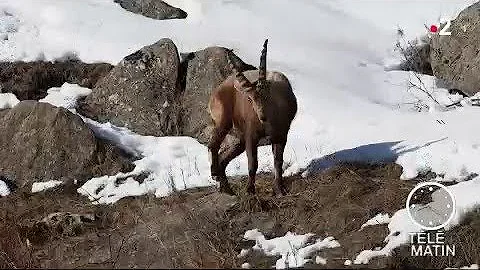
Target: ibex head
(255, 91)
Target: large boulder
(205, 70)
(40, 142)
(455, 59)
(155, 9)
(152, 92)
(140, 92)
(31, 80)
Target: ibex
(258, 104)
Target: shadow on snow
(375, 153)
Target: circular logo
(431, 205)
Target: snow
(4, 190)
(320, 260)
(171, 164)
(42, 186)
(294, 249)
(8, 100)
(473, 266)
(350, 107)
(376, 220)
(65, 96)
(363, 116)
(243, 253)
(347, 262)
(245, 266)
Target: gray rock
(31, 80)
(155, 9)
(40, 142)
(67, 223)
(140, 92)
(455, 59)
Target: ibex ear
(242, 83)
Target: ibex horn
(262, 69)
(240, 77)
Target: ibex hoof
(226, 188)
(214, 172)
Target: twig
(404, 53)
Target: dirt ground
(203, 228)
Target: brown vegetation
(204, 229)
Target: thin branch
(404, 53)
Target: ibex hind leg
(278, 185)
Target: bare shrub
(415, 53)
(416, 56)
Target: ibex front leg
(278, 186)
(252, 164)
(232, 151)
(214, 146)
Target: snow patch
(320, 260)
(473, 266)
(243, 253)
(41, 186)
(245, 266)
(65, 96)
(4, 190)
(376, 220)
(294, 249)
(170, 164)
(8, 101)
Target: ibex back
(257, 104)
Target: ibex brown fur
(258, 104)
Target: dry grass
(14, 250)
(203, 228)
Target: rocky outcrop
(140, 92)
(153, 92)
(155, 9)
(456, 58)
(31, 80)
(40, 142)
